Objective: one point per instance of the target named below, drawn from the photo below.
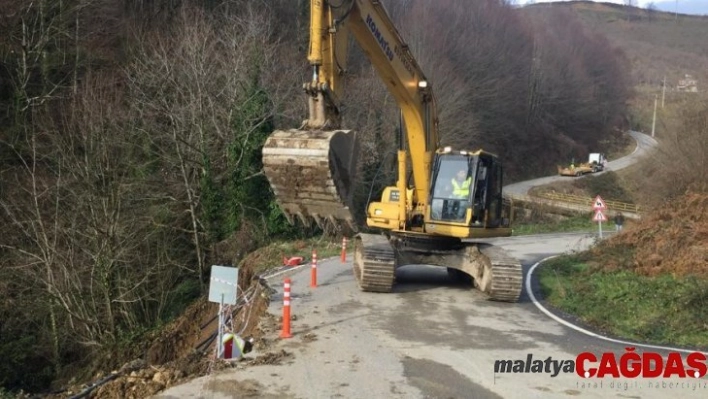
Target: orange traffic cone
(285, 333)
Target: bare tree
(631, 10)
(27, 214)
(512, 87)
(651, 11)
(81, 224)
(188, 89)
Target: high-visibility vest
(461, 190)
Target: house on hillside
(688, 83)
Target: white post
(653, 122)
(663, 93)
(600, 224)
(219, 337)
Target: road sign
(223, 289)
(599, 204)
(223, 286)
(599, 216)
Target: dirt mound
(673, 239)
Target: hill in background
(658, 44)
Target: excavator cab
(466, 190)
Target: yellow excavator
(441, 217)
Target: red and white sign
(599, 204)
(599, 216)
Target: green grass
(659, 310)
(578, 223)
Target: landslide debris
(184, 349)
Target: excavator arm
(312, 169)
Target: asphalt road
(645, 144)
(430, 338)
(433, 337)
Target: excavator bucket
(312, 174)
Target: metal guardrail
(576, 199)
(584, 206)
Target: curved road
(431, 338)
(645, 144)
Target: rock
(161, 378)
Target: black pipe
(95, 385)
(209, 322)
(206, 343)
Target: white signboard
(223, 285)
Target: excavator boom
(312, 170)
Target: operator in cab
(461, 189)
(461, 184)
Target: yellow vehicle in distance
(596, 163)
(575, 170)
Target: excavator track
(506, 278)
(312, 174)
(374, 263)
(493, 271)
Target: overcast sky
(697, 7)
(640, 3)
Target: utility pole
(676, 12)
(653, 122)
(663, 93)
